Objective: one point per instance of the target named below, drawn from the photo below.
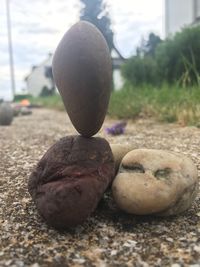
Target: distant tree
(95, 12)
(152, 43)
(178, 57)
(45, 91)
(175, 60)
(140, 70)
(49, 75)
(148, 47)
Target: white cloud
(37, 27)
(133, 19)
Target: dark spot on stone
(163, 174)
(136, 167)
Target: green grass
(168, 103)
(52, 102)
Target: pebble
(82, 71)
(35, 265)
(176, 265)
(119, 151)
(6, 114)
(25, 111)
(155, 181)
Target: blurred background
(154, 45)
(38, 26)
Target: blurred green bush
(174, 60)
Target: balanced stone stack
(72, 176)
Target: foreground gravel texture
(109, 237)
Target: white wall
(178, 14)
(198, 8)
(117, 79)
(37, 80)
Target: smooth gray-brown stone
(155, 182)
(82, 71)
(6, 114)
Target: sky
(38, 26)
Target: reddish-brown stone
(70, 180)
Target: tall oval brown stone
(82, 71)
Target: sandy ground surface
(109, 237)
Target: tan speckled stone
(155, 181)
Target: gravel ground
(109, 237)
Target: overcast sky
(37, 27)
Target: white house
(37, 79)
(179, 14)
